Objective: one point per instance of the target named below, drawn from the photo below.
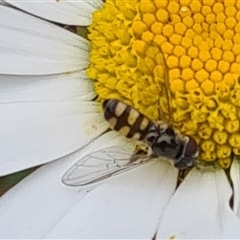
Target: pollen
(176, 61)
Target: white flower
(47, 113)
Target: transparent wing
(102, 164)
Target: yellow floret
(167, 48)
(159, 40)
(175, 18)
(174, 73)
(204, 55)
(184, 11)
(162, 15)
(147, 6)
(149, 19)
(173, 7)
(157, 27)
(237, 28)
(236, 151)
(216, 76)
(208, 87)
(205, 28)
(177, 86)
(221, 17)
(220, 137)
(237, 59)
(186, 42)
(223, 66)
(230, 80)
(235, 68)
(206, 10)
(208, 2)
(172, 62)
(185, 61)
(211, 65)
(139, 47)
(234, 140)
(139, 27)
(190, 33)
(231, 22)
(218, 7)
(197, 28)
(180, 28)
(188, 21)
(201, 75)
(191, 85)
(216, 53)
(193, 52)
(230, 11)
(229, 34)
(161, 4)
(147, 36)
(210, 18)
(238, 16)
(208, 156)
(175, 39)
(232, 126)
(208, 145)
(185, 2)
(167, 30)
(179, 51)
(225, 163)
(198, 18)
(205, 132)
(224, 151)
(227, 45)
(158, 72)
(203, 46)
(236, 49)
(236, 38)
(197, 40)
(187, 74)
(195, 6)
(221, 27)
(197, 64)
(219, 42)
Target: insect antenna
(167, 90)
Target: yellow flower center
(178, 61)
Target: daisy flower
(178, 61)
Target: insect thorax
(164, 141)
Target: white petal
(31, 46)
(64, 11)
(38, 202)
(126, 207)
(235, 176)
(200, 209)
(34, 133)
(47, 88)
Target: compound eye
(191, 148)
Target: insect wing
(101, 165)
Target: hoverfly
(160, 137)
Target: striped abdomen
(126, 120)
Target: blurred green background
(10, 180)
